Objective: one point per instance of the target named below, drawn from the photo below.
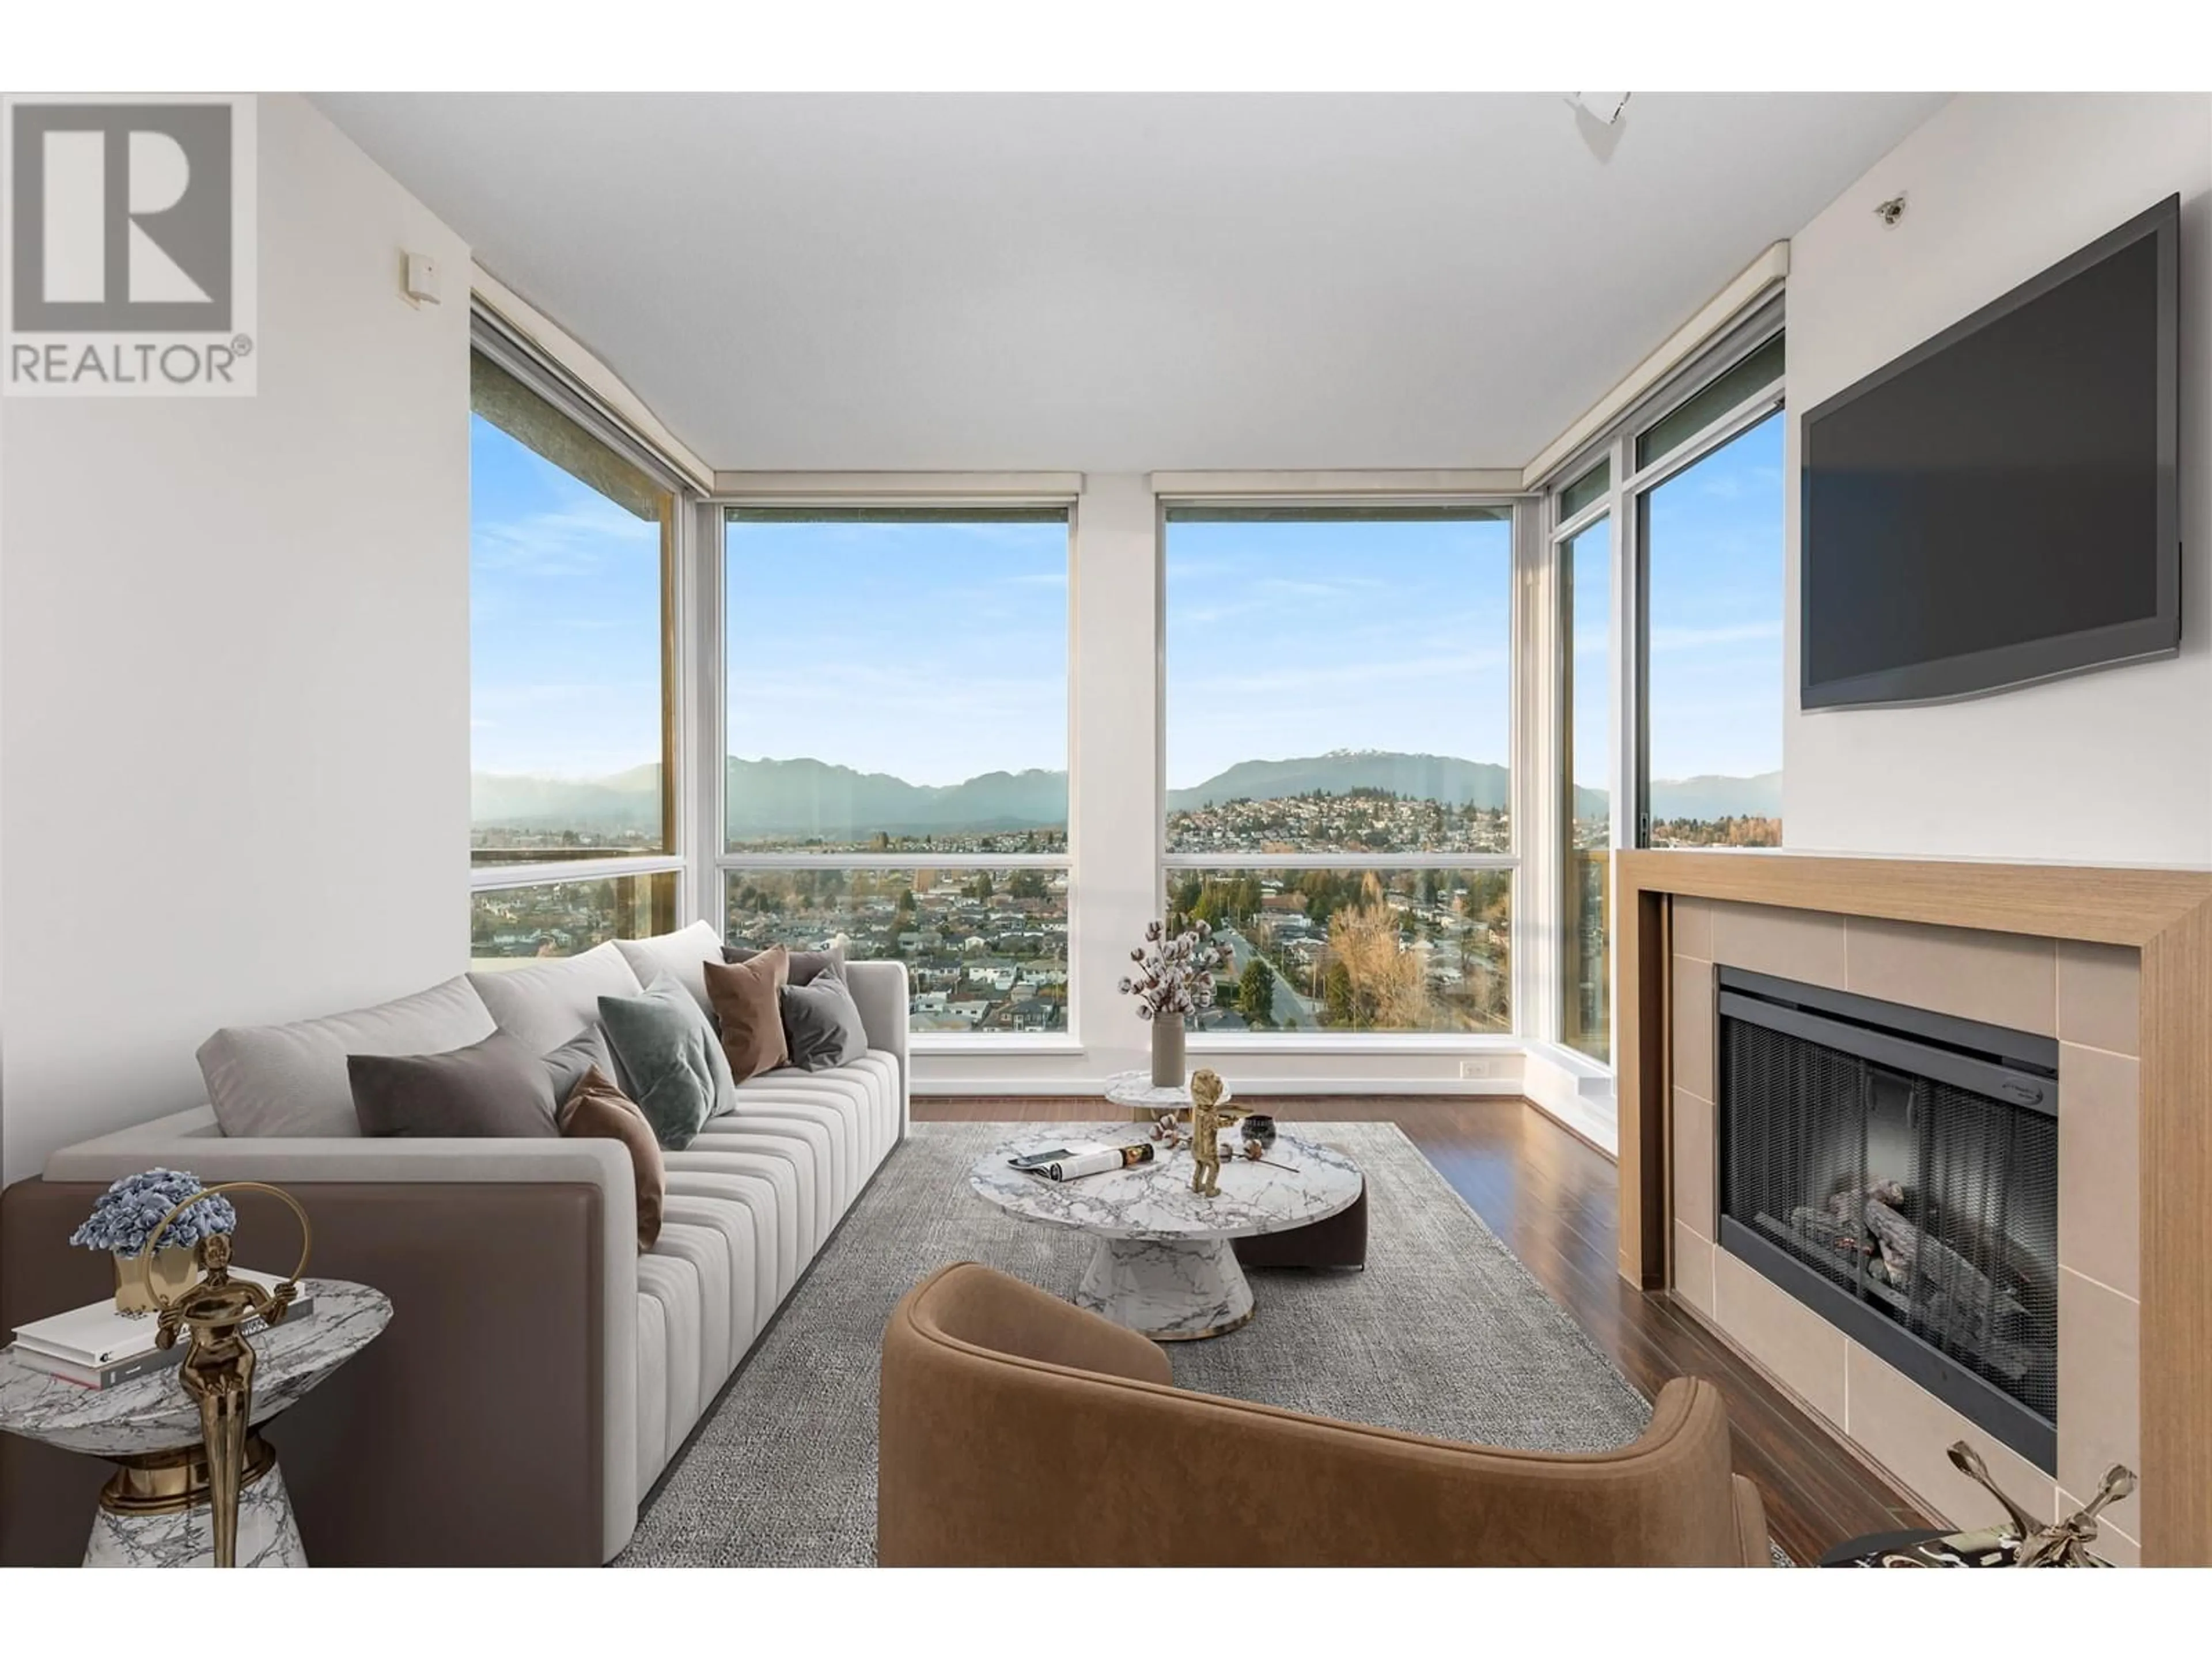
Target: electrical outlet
(1478, 1068)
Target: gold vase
(145, 1281)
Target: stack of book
(96, 1347)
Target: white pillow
(682, 955)
(291, 1080)
(544, 1004)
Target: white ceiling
(1120, 283)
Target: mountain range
(814, 798)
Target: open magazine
(1072, 1163)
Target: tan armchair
(1017, 1430)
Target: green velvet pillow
(670, 1060)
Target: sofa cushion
(766, 1175)
(821, 1023)
(545, 1002)
(804, 1149)
(744, 995)
(582, 1054)
(652, 1393)
(291, 1080)
(595, 1108)
(763, 1189)
(707, 1254)
(496, 1087)
(684, 955)
(671, 1062)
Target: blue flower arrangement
(125, 1216)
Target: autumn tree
(1388, 986)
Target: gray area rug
(1444, 1334)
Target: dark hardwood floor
(1550, 1196)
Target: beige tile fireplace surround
(2117, 966)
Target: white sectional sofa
(749, 1202)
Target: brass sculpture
(1208, 1118)
(217, 1372)
(2064, 1545)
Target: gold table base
(164, 1482)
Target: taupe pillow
(806, 965)
(596, 1109)
(495, 1087)
(744, 995)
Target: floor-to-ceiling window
(572, 836)
(1584, 555)
(1667, 560)
(895, 726)
(1708, 502)
(1339, 729)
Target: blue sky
(933, 652)
(1715, 597)
(938, 652)
(1715, 623)
(1288, 639)
(564, 619)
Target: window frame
(492, 337)
(1622, 505)
(719, 863)
(1520, 518)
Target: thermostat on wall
(421, 284)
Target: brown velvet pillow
(746, 998)
(597, 1109)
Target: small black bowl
(1259, 1130)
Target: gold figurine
(1208, 1118)
(217, 1372)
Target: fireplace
(1896, 1171)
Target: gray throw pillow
(495, 1087)
(569, 1062)
(806, 965)
(821, 1023)
(670, 1060)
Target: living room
(1000, 822)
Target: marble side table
(1146, 1100)
(150, 1428)
(1164, 1264)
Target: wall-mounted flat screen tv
(2000, 505)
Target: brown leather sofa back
(1017, 1430)
(467, 1434)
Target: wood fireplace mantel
(2166, 915)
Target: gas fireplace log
(1825, 1232)
(1968, 1291)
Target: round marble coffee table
(1163, 1264)
(150, 1423)
(1148, 1101)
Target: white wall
(2110, 767)
(233, 671)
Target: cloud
(583, 537)
(1698, 639)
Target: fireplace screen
(1897, 1171)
